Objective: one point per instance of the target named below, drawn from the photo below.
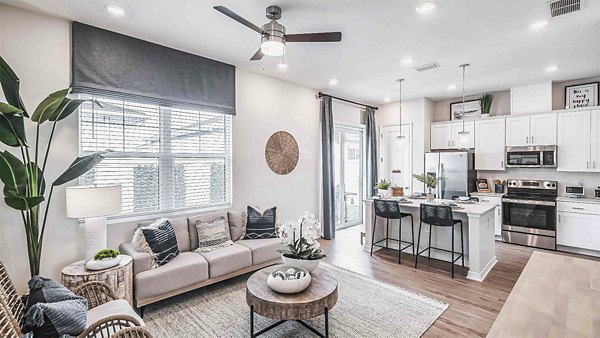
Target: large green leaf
(13, 172)
(49, 105)
(80, 166)
(41, 182)
(20, 202)
(6, 108)
(66, 108)
(10, 86)
(12, 130)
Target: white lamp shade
(93, 201)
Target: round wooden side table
(120, 277)
(320, 296)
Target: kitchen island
(478, 222)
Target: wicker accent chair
(97, 293)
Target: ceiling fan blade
(257, 56)
(238, 18)
(315, 37)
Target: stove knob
(553, 185)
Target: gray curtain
(327, 168)
(372, 158)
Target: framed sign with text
(583, 95)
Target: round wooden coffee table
(320, 296)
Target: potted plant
(104, 259)
(304, 251)
(430, 182)
(487, 100)
(23, 178)
(384, 188)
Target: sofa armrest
(142, 261)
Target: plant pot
(306, 264)
(102, 264)
(430, 197)
(485, 115)
(384, 193)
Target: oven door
(525, 158)
(529, 216)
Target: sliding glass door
(349, 172)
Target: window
(165, 158)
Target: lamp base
(95, 236)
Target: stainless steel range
(529, 213)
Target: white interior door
(348, 175)
(396, 154)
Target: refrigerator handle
(439, 185)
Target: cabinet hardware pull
(531, 139)
(527, 140)
(576, 208)
(559, 218)
(502, 164)
(449, 143)
(587, 164)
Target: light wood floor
(473, 306)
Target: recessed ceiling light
(407, 61)
(333, 82)
(282, 65)
(551, 68)
(115, 10)
(387, 99)
(537, 25)
(426, 7)
(452, 87)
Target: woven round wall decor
(282, 153)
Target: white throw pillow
(139, 241)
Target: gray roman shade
(105, 61)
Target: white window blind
(165, 158)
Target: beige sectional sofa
(190, 270)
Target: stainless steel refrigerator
(457, 169)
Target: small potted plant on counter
(430, 182)
(384, 188)
(301, 250)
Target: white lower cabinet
(578, 226)
(498, 211)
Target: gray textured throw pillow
(212, 235)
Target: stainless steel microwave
(531, 157)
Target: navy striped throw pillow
(260, 225)
(163, 242)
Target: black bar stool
(391, 210)
(439, 216)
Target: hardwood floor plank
(473, 306)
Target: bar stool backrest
(440, 215)
(387, 209)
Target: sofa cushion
(184, 270)
(181, 232)
(263, 250)
(237, 224)
(227, 260)
(206, 218)
(113, 308)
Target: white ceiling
(492, 35)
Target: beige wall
(500, 106)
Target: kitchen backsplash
(590, 180)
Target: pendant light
(463, 135)
(400, 136)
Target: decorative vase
(307, 264)
(288, 285)
(384, 193)
(430, 196)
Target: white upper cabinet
(441, 136)
(543, 129)
(538, 129)
(574, 141)
(595, 141)
(457, 128)
(446, 135)
(490, 144)
(517, 131)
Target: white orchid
(306, 230)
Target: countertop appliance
(457, 168)
(529, 213)
(531, 157)
(597, 193)
(574, 191)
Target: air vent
(562, 7)
(427, 66)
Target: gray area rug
(365, 308)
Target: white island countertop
(478, 208)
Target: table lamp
(94, 203)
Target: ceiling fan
(273, 36)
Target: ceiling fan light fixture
(272, 47)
